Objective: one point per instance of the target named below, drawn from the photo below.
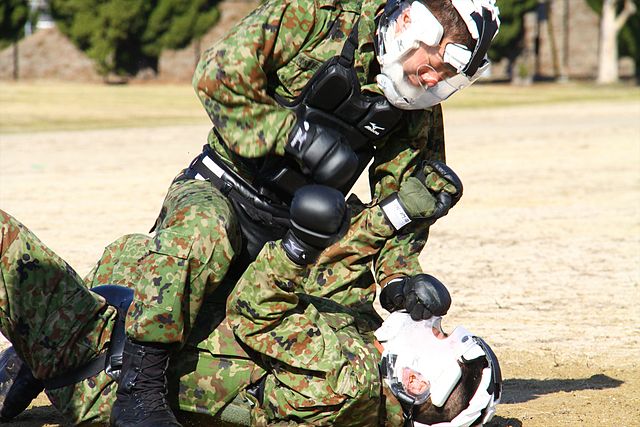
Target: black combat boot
(141, 400)
(18, 387)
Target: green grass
(47, 106)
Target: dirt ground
(542, 255)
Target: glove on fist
(318, 218)
(429, 194)
(422, 296)
(433, 190)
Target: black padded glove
(319, 217)
(421, 295)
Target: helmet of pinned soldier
(440, 380)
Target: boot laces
(152, 389)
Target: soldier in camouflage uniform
(268, 141)
(282, 356)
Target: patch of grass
(50, 106)
(47, 106)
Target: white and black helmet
(422, 348)
(482, 20)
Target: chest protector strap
(333, 98)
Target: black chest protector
(333, 98)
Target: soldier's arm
(232, 76)
(315, 374)
(263, 296)
(265, 310)
(421, 139)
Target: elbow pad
(322, 153)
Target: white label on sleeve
(396, 214)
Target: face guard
(398, 40)
(420, 348)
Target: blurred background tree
(619, 36)
(509, 41)
(13, 16)
(126, 36)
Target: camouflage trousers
(55, 324)
(196, 240)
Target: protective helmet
(420, 362)
(395, 46)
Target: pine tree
(125, 36)
(13, 16)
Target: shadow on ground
(523, 390)
(37, 417)
(505, 422)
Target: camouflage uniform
(53, 321)
(315, 355)
(181, 274)
(275, 50)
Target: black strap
(109, 361)
(88, 370)
(233, 185)
(487, 28)
(347, 54)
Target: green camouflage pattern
(55, 324)
(322, 369)
(195, 242)
(176, 272)
(338, 378)
(277, 49)
(39, 312)
(436, 182)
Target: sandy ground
(542, 255)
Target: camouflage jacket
(307, 331)
(277, 49)
(301, 331)
(314, 358)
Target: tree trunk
(608, 53)
(553, 46)
(565, 42)
(610, 25)
(16, 68)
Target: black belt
(210, 167)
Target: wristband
(395, 212)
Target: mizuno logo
(300, 136)
(298, 139)
(374, 128)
